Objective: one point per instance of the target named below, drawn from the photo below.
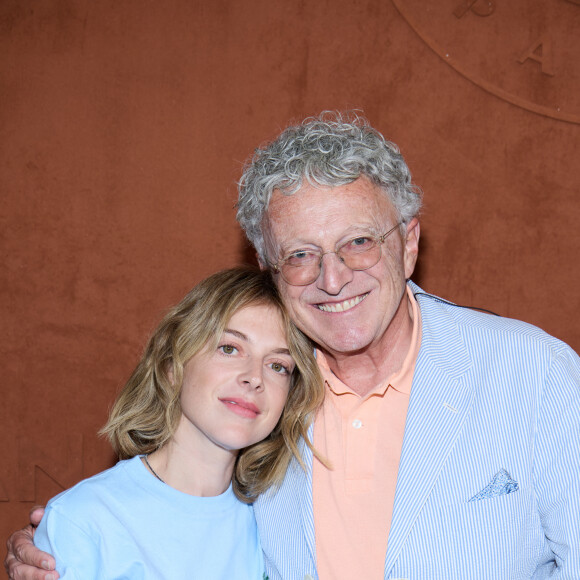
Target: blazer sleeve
(557, 462)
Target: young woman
(210, 418)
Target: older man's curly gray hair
(331, 149)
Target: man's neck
(363, 370)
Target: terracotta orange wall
(123, 129)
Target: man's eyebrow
(363, 229)
(351, 231)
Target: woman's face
(234, 395)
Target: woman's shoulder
(90, 493)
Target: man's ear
(261, 263)
(411, 246)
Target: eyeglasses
(303, 266)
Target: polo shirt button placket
(357, 424)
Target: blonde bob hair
(147, 411)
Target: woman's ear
(169, 370)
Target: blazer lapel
(439, 403)
(306, 500)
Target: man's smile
(341, 306)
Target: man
(452, 436)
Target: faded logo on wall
(527, 53)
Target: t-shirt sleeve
(77, 555)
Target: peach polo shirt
(362, 438)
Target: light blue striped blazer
(494, 417)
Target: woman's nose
(251, 376)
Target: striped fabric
(489, 395)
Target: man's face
(343, 311)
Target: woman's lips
(241, 407)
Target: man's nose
(334, 274)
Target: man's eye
(301, 257)
(358, 244)
(227, 348)
(361, 241)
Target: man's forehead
(311, 200)
(326, 215)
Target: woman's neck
(192, 469)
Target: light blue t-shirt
(125, 523)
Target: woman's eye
(227, 348)
(280, 368)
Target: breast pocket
(496, 537)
